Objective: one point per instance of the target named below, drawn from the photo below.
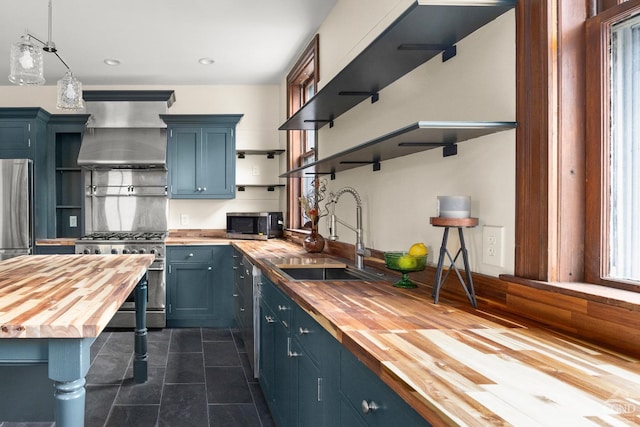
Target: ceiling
(159, 42)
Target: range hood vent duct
(125, 129)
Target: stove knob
(114, 251)
(141, 251)
(125, 251)
(133, 251)
(153, 251)
(86, 251)
(97, 251)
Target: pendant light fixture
(27, 68)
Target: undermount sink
(318, 269)
(326, 273)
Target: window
(624, 168)
(301, 86)
(613, 147)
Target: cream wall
(256, 130)
(477, 84)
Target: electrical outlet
(492, 245)
(73, 221)
(184, 219)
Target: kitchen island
(459, 366)
(53, 307)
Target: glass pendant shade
(26, 63)
(69, 93)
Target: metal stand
(458, 223)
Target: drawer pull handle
(303, 331)
(282, 308)
(294, 354)
(369, 406)
(269, 319)
(241, 309)
(235, 295)
(190, 255)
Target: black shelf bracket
(375, 96)
(330, 121)
(449, 53)
(241, 155)
(449, 150)
(271, 155)
(241, 188)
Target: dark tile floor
(197, 377)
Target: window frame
(306, 68)
(598, 30)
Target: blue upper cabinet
(201, 155)
(23, 135)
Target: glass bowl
(404, 263)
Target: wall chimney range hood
(125, 129)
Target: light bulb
(26, 60)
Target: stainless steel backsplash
(126, 200)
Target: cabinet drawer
(311, 336)
(360, 387)
(277, 301)
(191, 254)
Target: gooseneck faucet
(361, 251)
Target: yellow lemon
(407, 262)
(418, 250)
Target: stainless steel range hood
(125, 130)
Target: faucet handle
(363, 252)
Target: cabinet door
(190, 291)
(216, 170)
(184, 153)
(14, 137)
(267, 352)
(308, 389)
(201, 162)
(367, 395)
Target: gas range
(119, 242)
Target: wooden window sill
(602, 294)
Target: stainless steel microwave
(254, 225)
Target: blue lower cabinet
(367, 398)
(309, 379)
(199, 286)
(308, 382)
(275, 364)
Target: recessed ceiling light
(112, 61)
(206, 61)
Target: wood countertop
(65, 296)
(459, 366)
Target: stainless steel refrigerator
(16, 217)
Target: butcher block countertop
(65, 296)
(459, 366)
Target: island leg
(69, 362)
(140, 373)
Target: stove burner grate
(118, 235)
